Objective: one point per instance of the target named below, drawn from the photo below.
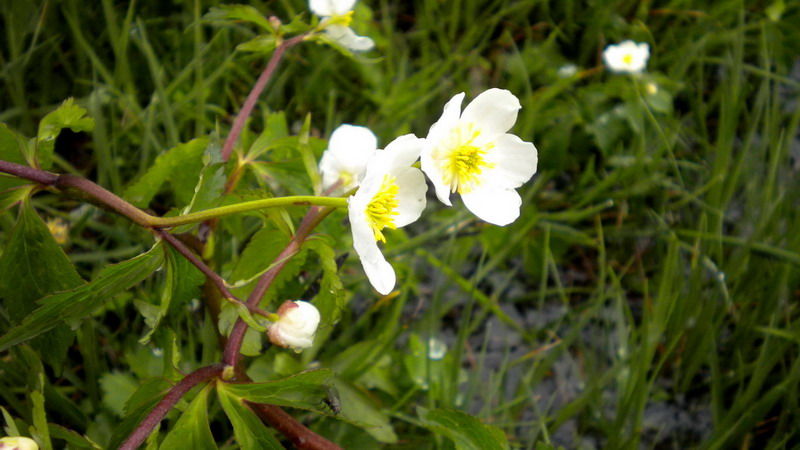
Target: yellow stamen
(59, 229)
(627, 59)
(343, 20)
(465, 161)
(381, 209)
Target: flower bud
(295, 328)
(18, 443)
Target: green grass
(655, 266)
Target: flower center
(381, 209)
(627, 59)
(342, 19)
(465, 161)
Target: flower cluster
(469, 153)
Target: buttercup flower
(392, 195)
(349, 149)
(627, 57)
(336, 17)
(18, 443)
(296, 327)
(471, 153)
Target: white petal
(514, 160)
(434, 172)
(379, 272)
(438, 135)
(496, 206)
(494, 111)
(448, 120)
(410, 195)
(350, 148)
(324, 8)
(343, 6)
(348, 38)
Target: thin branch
(296, 432)
(250, 102)
(150, 422)
(315, 215)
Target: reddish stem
(250, 102)
(296, 432)
(150, 422)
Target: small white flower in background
(567, 70)
(296, 326)
(336, 17)
(18, 443)
(471, 153)
(627, 57)
(349, 149)
(392, 195)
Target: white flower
(471, 153)
(627, 57)
(392, 195)
(296, 326)
(18, 443)
(336, 17)
(349, 149)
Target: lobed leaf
(68, 115)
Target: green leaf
(74, 305)
(263, 43)
(309, 160)
(249, 430)
(68, 115)
(251, 345)
(330, 298)
(141, 402)
(258, 256)
(210, 187)
(11, 426)
(73, 439)
(12, 196)
(237, 13)
(117, 388)
(178, 165)
(192, 429)
(13, 147)
(466, 431)
(304, 390)
(360, 410)
(33, 266)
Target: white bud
(296, 326)
(18, 443)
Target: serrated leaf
(40, 429)
(192, 429)
(178, 165)
(11, 426)
(250, 432)
(304, 390)
(331, 292)
(117, 388)
(68, 115)
(236, 13)
(309, 160)
(467, 432)
(74, 305)
(360, 410)
(210, 187)
(73, 439)
(33, 266)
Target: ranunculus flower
(471, 153)
(18, 443)
(391, 195)
(336, 17)
(349, 149)
(296, 326)
(627, 57)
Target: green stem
(299, 200)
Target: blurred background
(647, 297)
